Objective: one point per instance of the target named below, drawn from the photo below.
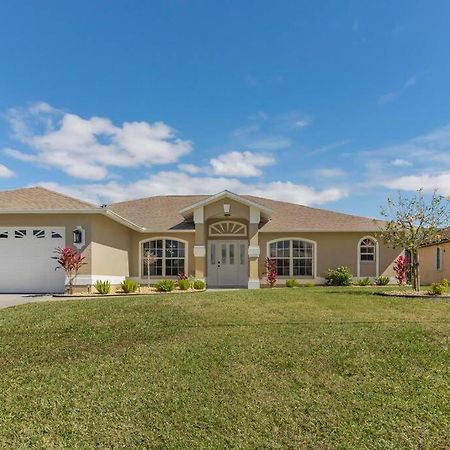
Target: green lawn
(308, 367)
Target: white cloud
(393, 95)
(333, 172)
(191, 168)
(87, 148)
(427, 182)
(388, 97)
(301, 124)
(401, 163)
(5, 172)
(240, 164)
(177, 183)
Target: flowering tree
(413, 222)
(401, 267)
(71, 262)
(271, 272)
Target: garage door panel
(26, 264)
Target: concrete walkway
(7, 300)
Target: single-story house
(433, 259)
(223, 239)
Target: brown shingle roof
(39, 198)
(162, 213)
(443, 237)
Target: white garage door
(26, 264)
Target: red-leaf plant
(401, 268)
(71, 262)
(271, 272)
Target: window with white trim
(163, 258)
(367, 250)
(438, 258)
(293, 257)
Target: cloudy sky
(308, 102)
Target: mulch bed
(142, 291)
(411, 294)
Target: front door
(227, 263)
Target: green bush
(439, 288)
(308, 285)
(382, 281)
(199, 285)
(128, 285)
(103, 287)
(339, 277)
(364, 281)
(165, 286)
(291, 283)
(184, 285)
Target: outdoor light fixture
(226, 209)
(78, 236)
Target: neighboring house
(223, 238)
(434, 259)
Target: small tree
(271, 272)
(413, 222)
(71, 262)
(401, 268)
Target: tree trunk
(415, 277)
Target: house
(223, 238)
(434, 259)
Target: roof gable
(188, 211)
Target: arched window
(293, 257)
(367, 250)
(163, 258)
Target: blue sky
(332, 104)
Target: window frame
(291, 257)
(374, 254)
(163, 258)
(439, 251)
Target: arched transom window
(227, 228)
(292, 257)
(367, 250)
(163, 258)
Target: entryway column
(199, 247)
(253, 249)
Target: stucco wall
(334, 250)
(110, 246)
(428, 272)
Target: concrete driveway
(7, 300)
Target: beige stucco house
(223, 238)
(433, 260)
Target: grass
(286, 368)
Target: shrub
(103, 287)
(165, 286)
(291, 283)
(70, 261)
(129, 285)
(308, 285)
(363, 282)
(339, 277)
(437, 289)
(271, 272)
(382, 280)
(184, 284)
(401, 268)
(199, 285)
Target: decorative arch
(167, 255)
(368, 252)
(288, 254)
(227, 228)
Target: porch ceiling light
(226, 209)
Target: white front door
(26, 264)
(227, 263)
